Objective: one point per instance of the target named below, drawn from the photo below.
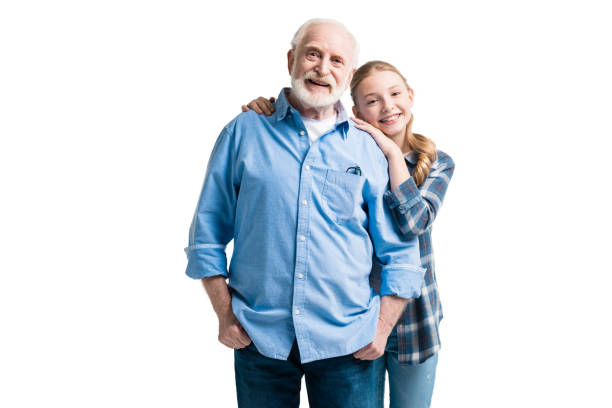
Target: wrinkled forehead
(330, 36)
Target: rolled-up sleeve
(399, 256)
(212, 227)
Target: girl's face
(385, 102)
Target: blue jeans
(263, 382)
(410, 386)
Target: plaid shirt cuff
(404, 196)
(403, 281)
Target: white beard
(318, 100)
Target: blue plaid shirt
(415, 210)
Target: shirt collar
(412, 157)
(283, 108)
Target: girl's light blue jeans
(410, 386)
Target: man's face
(321, 66)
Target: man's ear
(290, 56)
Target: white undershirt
(317, 128)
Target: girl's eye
(371, 101)
(396, 93)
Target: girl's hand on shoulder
(261, 105)
(386, 145)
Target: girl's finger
(359, 125)
(370, 129)
(362, 124)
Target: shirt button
(302, 133)
(304, 202)
(300, 275)
(297, 311)
(307, 167)
(302, 238)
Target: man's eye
(337, 60)
(371, 101)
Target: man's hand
(376, 348)
(391, 308)
(231, 332)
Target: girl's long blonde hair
(424, 148)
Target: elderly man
(301, 194)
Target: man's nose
(323, 67)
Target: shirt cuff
(404, 196)
(206, 260)
(403, 281)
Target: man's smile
(323, 84)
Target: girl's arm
(398, 171)
(414, 208)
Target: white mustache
(329, 79)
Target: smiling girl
(419, 176)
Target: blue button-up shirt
(306, 221)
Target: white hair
(299, 35)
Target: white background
(109, 110)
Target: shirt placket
(303, 237)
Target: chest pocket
(343, 193)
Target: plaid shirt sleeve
(415, 208)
